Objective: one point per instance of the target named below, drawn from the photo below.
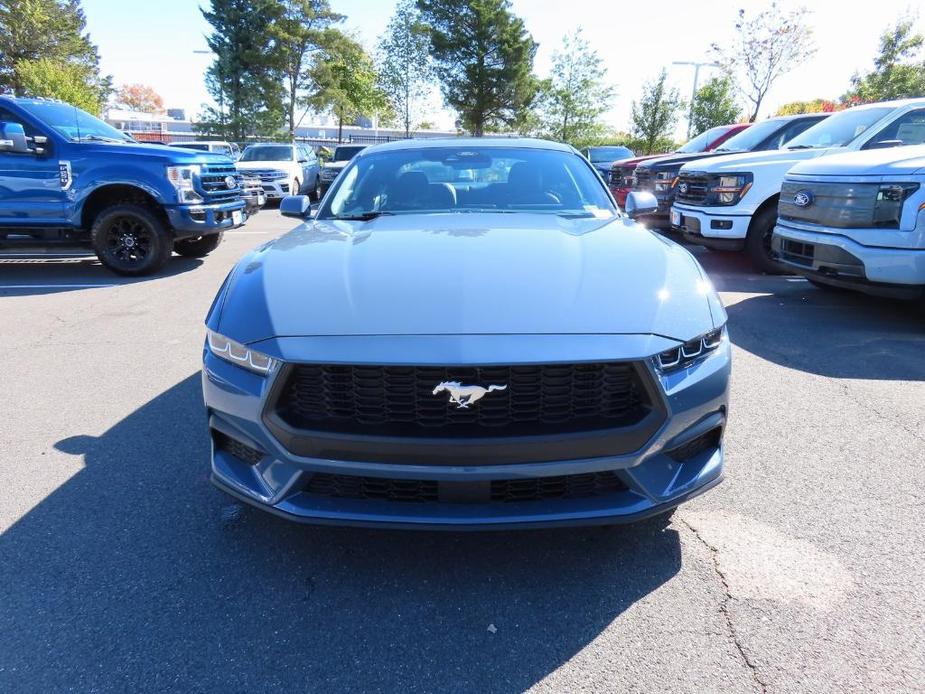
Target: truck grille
(645, 180)
(399, 401)
(840, 205)
(621, 176)
(579, 486)
(267, 175)
(213, 183)
(692, 188)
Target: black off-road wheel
(197, 247)
(758, 242)
(130, 240)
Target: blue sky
(154, 44)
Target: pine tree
(246, 77)
(484, 59)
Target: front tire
(316, 191)
(296, 187)
(198, 247)
(758, 242)
(130, 240)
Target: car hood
(673, 161)
(635, 161)
(169, 155)
(467, 274)
(752, 161)
(336, 165)
(875, 162)
(246, 165)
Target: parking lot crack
(724, 607)
(870, 407)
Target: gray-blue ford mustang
(467, 333)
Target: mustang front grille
(526, 400)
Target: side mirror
(884, 144)
(13, 138)
(640, 203)
(298, 206)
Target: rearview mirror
(298, 206)
(13, 138)
(640, 203)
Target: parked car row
(803, 194)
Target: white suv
(730, 203)
(857, 221)
(283, 169)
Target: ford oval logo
(230, 181)
(803, 198)
(683, 188)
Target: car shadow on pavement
(136, 574)
(26, 277)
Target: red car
(621, 174)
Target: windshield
(751, 137)
(468, 179)
(704, 140)
(76, 125)
(607, 154)
(839, 129)
(345, 153)
(267, 153)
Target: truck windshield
(839, 129)
(267, 153)
(703, 140)
(345, 153)
(74, 124)
(607, 154)
(461, 179)
(751, 137)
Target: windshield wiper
(362, 217)
(99, 138)
(804, 147)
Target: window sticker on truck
(64, 173)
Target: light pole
(221, 90)
(697, 66)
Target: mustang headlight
(240, 355)
(731, 188)
(181, 178)
(690, 352)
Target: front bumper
(719, 229)
(834, 259)
(651, 478)
(254, 200)
(277, 189)
(202, 220)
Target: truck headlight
(889, 206)
(731, 188)
(690, 352)
(181, 178)
(240, 355)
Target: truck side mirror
(640, 203)
(13, 138)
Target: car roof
(794, 116)
(492, 142)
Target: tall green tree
(484, 59)
(246, 76)
(766, 46)
(571, 102)
(714, 104)
(406, 71)
(347, 82)
(656, 113)
(897, 73)
(36, 36)
(305, 28)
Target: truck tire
(197, 247)
(130, 240)
(296, 187)
(316, 191)
(758, 242)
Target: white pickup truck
(730, 203)
(856, 221)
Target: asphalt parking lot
(123, 569)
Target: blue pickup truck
(71, 184)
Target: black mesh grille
(692, 188)
(704, 442)
(212, 181)
(236, 448)
(644, 179)
(400, 400)
(497, 491)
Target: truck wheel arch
(116, 194)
